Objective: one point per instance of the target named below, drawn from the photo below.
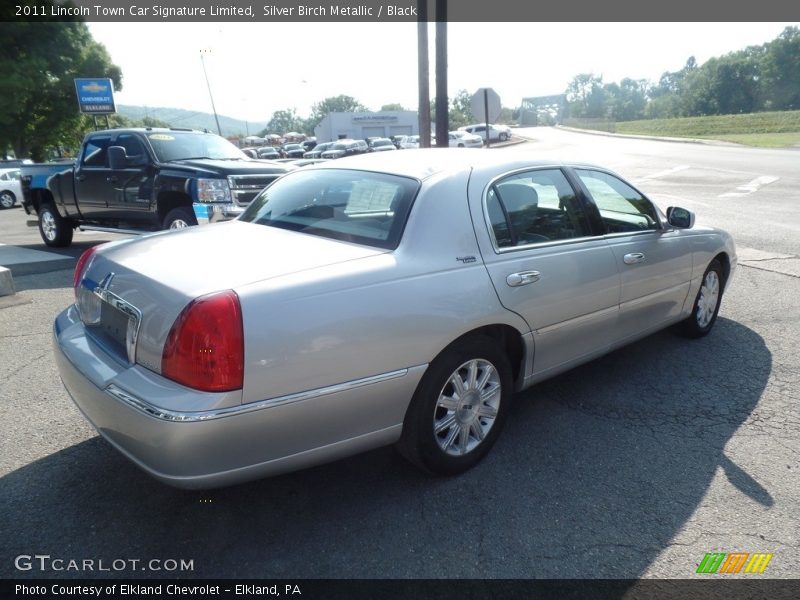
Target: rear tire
(706, 304)
(459, 407)
(56, 231)
(7, 200)
(179, 218)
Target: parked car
(462, 139)
(381, 145)
(139, 180)
(292, 151)
(316, 151)
(388, 299)
(409, 142)
(497, 133)
(397, 140)
(10, 187)
(268, 153)
(309, 144)
(344, 148)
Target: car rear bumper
(224, 442)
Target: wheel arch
(168, 200)
(510, 341)
(725, 261)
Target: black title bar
(376, 11)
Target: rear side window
(353, 206)
(534, 207)
(95, 152)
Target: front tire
(7, 200)
(55, 230)
(459, 407)
(706, 304)
(179, 218)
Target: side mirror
(680, 217)
(117, 159)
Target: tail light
(205, 347)
(80, 268)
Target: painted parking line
(665, 172)
(750, 187)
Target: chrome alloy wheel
(49, 228)
(467, 407)
(709, 297)
(178, 224)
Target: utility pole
(442, 117)
(423, 75)
(214, 108)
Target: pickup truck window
(133, 147)
(186, 145)
(95, 151)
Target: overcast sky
(257, 68)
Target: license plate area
(110, 320)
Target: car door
(130, 189)
(550, 264)
(654, 260)
(92, 188)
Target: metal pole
(214, 108)
(486, 114)
(424, 102)
(442, 117)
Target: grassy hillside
(767, 129)
(178, 117)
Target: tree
(781, 71)
(284, 121)
(392, 107)
(586, 96)
(341, 103)
(38, 63)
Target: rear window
(353, 206)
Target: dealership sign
(95, 96)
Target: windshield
(353, 206)
(381, 143)
(183, 145)
(338, 147)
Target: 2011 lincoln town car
(384, 298)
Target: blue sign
(95, 96)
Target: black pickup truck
(140, 180)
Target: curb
(6, 282)
(652, 137)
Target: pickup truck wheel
(178, 218)
(459, 407)
(54, 229)
(7, 199)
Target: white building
(363, 125)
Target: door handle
(523, 278)
(112, 179)
(80, 177)
(633, 258)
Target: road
(635, 465)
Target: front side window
(354, 206)
(621, 207)
(534, 207)
(95, 151)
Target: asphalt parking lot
(634, 465)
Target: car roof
(423, 163)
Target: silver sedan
(378, 299)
